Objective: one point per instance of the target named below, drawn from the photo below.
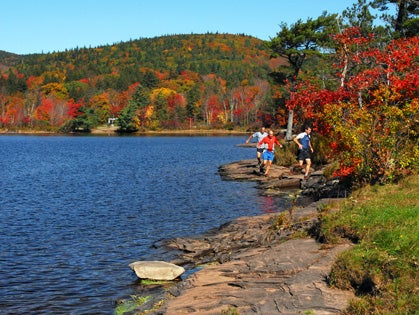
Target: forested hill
(7, 59)
(232, 57)
(4, 55)
(210, 79)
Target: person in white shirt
(259, 135)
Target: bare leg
(262, 166)
(296, 168)
(268, 166)
(307, 172)
(258, 155)
(300, 165)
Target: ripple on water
(75, 211)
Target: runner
(269, 153)
(259, 149)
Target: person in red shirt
(268, 155)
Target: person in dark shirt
(304, 151)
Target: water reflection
(273, 204)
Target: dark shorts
(303, 154)
(259, 150)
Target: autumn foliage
(188, 79)
(368, 109)
(371, 120)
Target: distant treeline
(165, 82)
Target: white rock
(156, 270)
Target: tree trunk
(288, 135)
(401, 16)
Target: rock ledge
(253, 265)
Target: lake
(75, 211)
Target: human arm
(311, 147)
(297, 141)
(250, 137)
(303, 141)
(277, 142)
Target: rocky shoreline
(267, 264)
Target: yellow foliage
(165, 92)
(56, 75)
(99, 100)
(178, 85)
(55, 89)
(149, 112)
(222, 117)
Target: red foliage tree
(372, 118)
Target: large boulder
(156, 270)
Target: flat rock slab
(279, 177)
(247, 170)
(266, 272)
(156, 270)
(250, 267)
(286, 278)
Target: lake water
(76, 211)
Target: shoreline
(265, 264)
(112, 131)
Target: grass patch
(230, 311)
(127, 306)
(382, 268)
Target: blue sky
(41, 26)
